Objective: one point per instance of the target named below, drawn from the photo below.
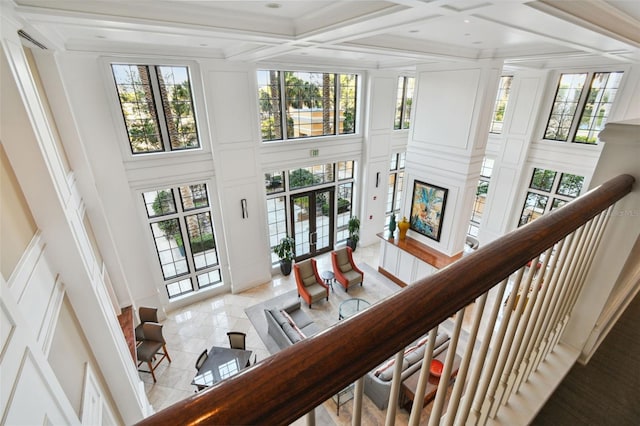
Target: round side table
(328, 278)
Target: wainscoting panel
(30, 387)
(37, 294)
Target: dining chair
(146, 315)
(201, 359)
(237, 340)
(153, 348)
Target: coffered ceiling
(361, 34)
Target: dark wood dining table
(221, 364)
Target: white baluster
(454, 400)
(552, 287)
(472, 385)
(395, 389)
(445, 377)
(543, 281)
(358, 394)
(503, 368)
(416, 408)
(481, 397)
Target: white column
(608, 290)
(453, 106)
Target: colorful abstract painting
(427, 209)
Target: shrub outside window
(404, 101)
(394, 191)
(481, 197)
(157, 107)
(594, 106)
(175, 219)
(501, 104)
(548, 185)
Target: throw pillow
(387, 373)
(277, 315)
(415, 355)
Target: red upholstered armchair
(310, 286)
(344, 269)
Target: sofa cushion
(291, 333)
(342, 258)
(415, 355)
(293, 323)
(277, 315)
(307, 274)
(353, 277)
(300, 318)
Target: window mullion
(403, 107)
(283, 107)
(336, 104)
(577, 115)
(157, 99)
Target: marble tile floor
(191, 329)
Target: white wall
(61, 254)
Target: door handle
(313, 237)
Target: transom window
(306, 104)
(404, 101)
(500, 106)
(593, 106)
(157, 107)
(549, 190)
(177, 215)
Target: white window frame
(577, 115)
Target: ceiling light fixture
(466, 21)
(273, 5)
(414, 31)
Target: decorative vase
(392, 225)
(403, 227)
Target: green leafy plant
(285, 249)
(354, 232)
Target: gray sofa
(378, 387)
(283, 332)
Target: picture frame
(427, 209)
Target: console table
(406, 261)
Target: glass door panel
(300, 218)
(312, 218)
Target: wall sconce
(243, 204)
(377, 179)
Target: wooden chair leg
(150, 363)
(166, 353)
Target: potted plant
(285, 251)
(354, 232)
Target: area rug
(375, 288)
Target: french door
(312, 219)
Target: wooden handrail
(290, 383)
